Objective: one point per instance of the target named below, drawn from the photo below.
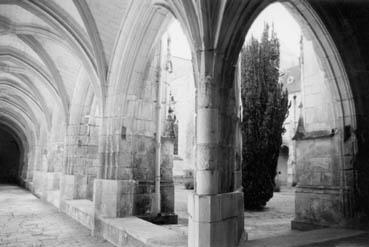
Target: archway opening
(314, 126)
(10, 158)
(179, 108)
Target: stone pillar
(215, 208)
(166, 173)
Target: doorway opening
(10, 158)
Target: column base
(216, 220)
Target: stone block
(67, 187)
(215, 220)
(124, 173)
(317, 162)
(73, 187)
(215, 234)
(211, 208)
(52, 181)
(118, 198)
(207, 156)
(207, 122)
(318, 206)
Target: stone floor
(274, 220)
(26, 221)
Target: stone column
(215, 208)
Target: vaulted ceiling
(47, 48)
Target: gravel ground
(275, 219)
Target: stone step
(132, 231)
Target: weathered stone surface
(319, 206)
(318, 162)
(220, 218)
(73, 187)
(80, 210)
(28, 221)
(81, 101)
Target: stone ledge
(304, 238)
(305, 226)
(80, 210)
(132, 231)
(311, 189)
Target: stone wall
(318, 193)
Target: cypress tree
(265, 105)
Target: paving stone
(26, 221)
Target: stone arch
(343, 143)
(127, 148)
(218, 39)
(127, 85)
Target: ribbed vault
(78, 82)
(51, 60)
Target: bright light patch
(287, 29)
(179, 44)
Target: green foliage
(265, 105)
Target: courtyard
(274, 220)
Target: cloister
(81, 124)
